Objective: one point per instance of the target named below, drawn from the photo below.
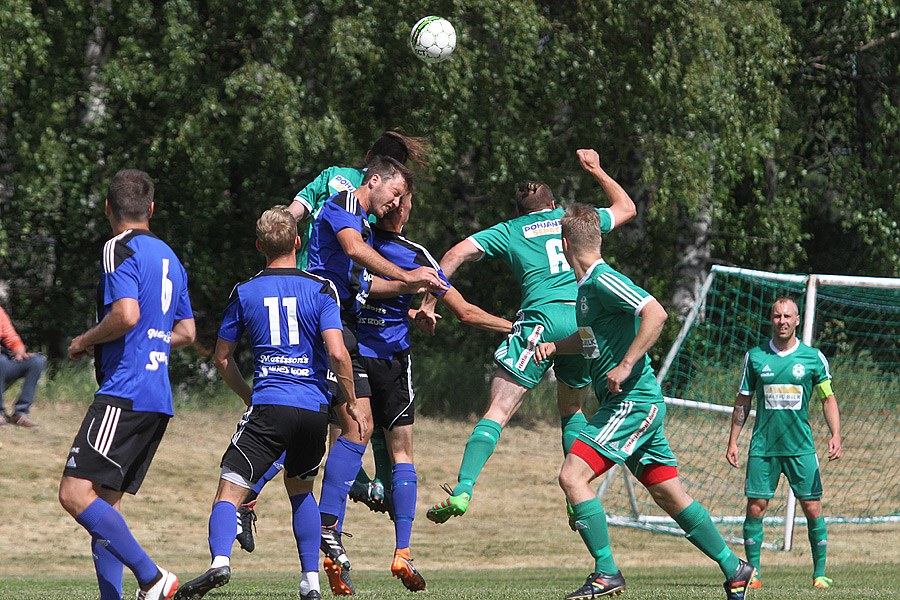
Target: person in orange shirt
(16, 363)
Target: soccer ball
(433, 39)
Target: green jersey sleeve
(493, 241)
(748, 383)
(607, 220)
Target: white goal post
(855, 317)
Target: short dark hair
(387, 168)
(130, 195)
(582, 228)
(532, 196)
(401, 148)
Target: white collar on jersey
(783, 352)
(590, 270)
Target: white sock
(220, 561)
(309, 581)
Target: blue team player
(144, 311)
(341, 251)
(383, 332)
(294, 324)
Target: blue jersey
(285, 311)
(383, 327)
(326, 255)
(135, 367)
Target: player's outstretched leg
(454, 506)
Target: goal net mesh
(858, 330)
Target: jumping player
(293, 321)
(144, 311)
(784, 373)
(384, 345)
(530, 245)
(618, 323)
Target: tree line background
(763, 134)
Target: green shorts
(802, 472)
(545, 323)
(631, 433)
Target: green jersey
(532, 248)
(608, 315)
(329, 182)
(783, 382)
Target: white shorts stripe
(112, 431)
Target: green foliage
(780, 119)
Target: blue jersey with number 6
(135, 367)
(284, 312)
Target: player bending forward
(145, 309)
(618, 322)
(288, 314)
(784, 373)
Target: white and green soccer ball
(433, 39)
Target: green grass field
(507, 584)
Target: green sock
(702, 532)
(571, 427)
(818, 542)
(753, 539)
(591, 525)
(479, 448)
(383, 467)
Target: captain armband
(823, 390)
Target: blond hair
(276, 230)
(581, 226)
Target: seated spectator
(16, 363)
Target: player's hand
(544, 351)
(834, 447)
(362, 425)
(77, 349)
(426, 321)
(425, 279)
(589, 159)
(615, 377)
(731, 455)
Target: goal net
(855, 322)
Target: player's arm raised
(621, 204)
(339, 361)
(738, 418)
(123, 315)
(473, 315)
(360, 252)
(223, 359)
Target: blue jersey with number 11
(285, 311)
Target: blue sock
(403, 496)
(277, 466)
(341, 468)
(221, 529)
(307, 530)
(105, 524)
(109, 572)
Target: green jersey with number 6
(532, 248)
(783, 382)
(608, 315)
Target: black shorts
(267, 430)
(390, 381)
(360, 376)
(115, 444)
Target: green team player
(309, 200)
(784, 373)
(618, 322)
(531, 247)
